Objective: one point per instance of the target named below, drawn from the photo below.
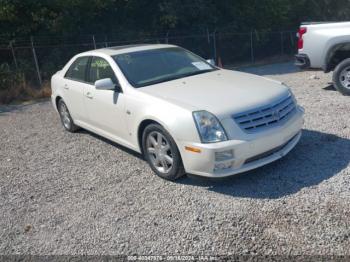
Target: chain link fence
(39, 57)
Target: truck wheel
(341, 77)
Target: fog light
(223, 156)
(223, 166)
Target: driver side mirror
(107, 84)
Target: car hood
(222, 92)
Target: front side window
(77, 70)
(101, 69)
(154, 66)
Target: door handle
(89, 95)
(66, 87)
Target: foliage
(7, 77)
(20, 18)
(51, 21)
(13, 86)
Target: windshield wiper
(177, 77)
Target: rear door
(74, 85)
(105, 108)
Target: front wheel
(341, 77)
(161, 153)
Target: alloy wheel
(159, 151)
(345, 77)
(64, 113)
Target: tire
(161, 153)
(341, 77)
(66, 118)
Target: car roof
(116, 50)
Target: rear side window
(77, 70)
(101, 69)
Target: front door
(105, 108)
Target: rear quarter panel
(56, 79)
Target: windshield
(155, 66)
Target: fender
(157, 109)
(332, 46)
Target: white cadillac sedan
(182, 113)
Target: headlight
(209, 127)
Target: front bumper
(248, 154)
(302, 61)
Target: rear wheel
(341, 77)
(161, 153)
(66, 118)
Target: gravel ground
(63, 193)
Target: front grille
(267, 116)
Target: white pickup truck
(326, 46)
